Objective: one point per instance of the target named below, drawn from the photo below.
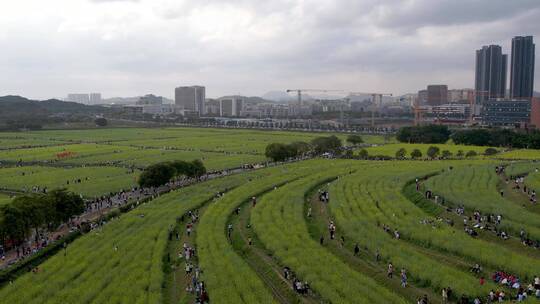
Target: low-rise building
(506, 112)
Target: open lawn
(378, 214)
(4, 199)
(94, 181)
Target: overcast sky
(133, 47)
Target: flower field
(378, 213)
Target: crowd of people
(298, 286)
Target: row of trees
(320, 145)
(434, 152)
(32, 212)
(431, 134)
(497, 138)
(161, 173)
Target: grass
(4, 199)
(95, 181)
(228, 277)
(278, 222)
(475, 186)
(93, 271)
(527, 154)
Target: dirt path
(259, 259)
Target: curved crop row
(366, 201)
(279, 223)
(118, 263)
(228, 277)
(476, 187)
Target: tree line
(434, 134)
(29, 213)
(498, 138)
(320, 145)
(161, 173)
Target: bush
(471, 154)
(363, 154)
(491, 151)
(157, 175)
(330, 144)
(433, 152)
(355, 139)
(416, 154)
(446, 154)
(280, 152)
(401, 153)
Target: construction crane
(299, 92)
(374, 97)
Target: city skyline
(131, 48)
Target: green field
(95, 181)
(134, 258)
(521, 154)
(4, 199)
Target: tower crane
(299, 92)
(374, 96)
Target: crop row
(118, 263)
(279, 223)
(475, 187)
(367, 201)
(94, 181)
(228, 277)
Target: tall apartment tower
(490, 80)
(190, 98)
(522, 67)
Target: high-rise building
(437, 94)
(231, 106)
(522, 67)
(95, 98)
(79, 98)
(490, 78)
(190, 98)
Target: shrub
(433, 152)
(471, 154)
(355, 139)
(491, 151)
(416, 154)
(401, 153)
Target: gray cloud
(241, 46)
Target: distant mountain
(13, 106)
(279, 96)
(248, 99)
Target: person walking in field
(356, 249)
(229, 230)
(403, 278)
(390, 270)
(444, 296)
